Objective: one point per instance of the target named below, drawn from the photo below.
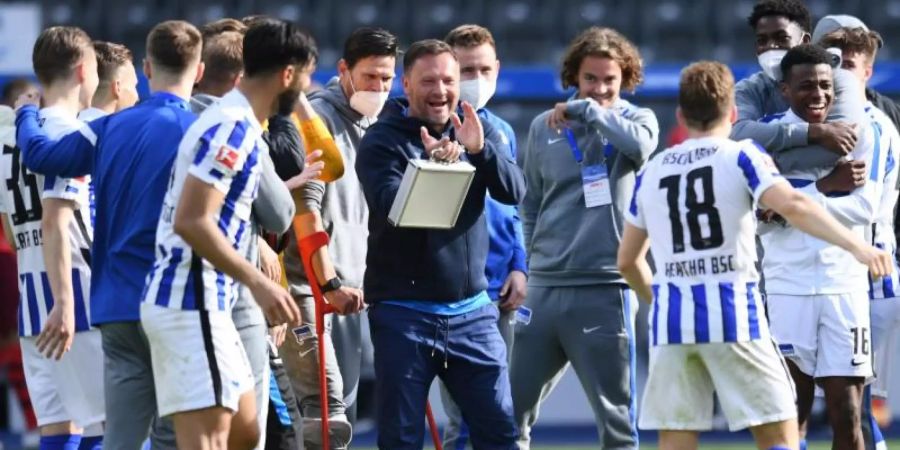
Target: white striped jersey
(21, 192)
(881, 233)
(696, 201)
(796, 263)
(222, 148)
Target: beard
(287, 100)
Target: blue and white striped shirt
(222, 148)
(21, 191)
(696, 202)
(881, 234)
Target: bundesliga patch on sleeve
(228, 159)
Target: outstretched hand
(311, 170)
(469, 133)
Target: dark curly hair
(794, 10)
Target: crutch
(307, 247)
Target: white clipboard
(431, 194)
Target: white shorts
(750, 379)
(885, 320)
(70, 389)
(198, 359)
(824, 335)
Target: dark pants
(468, 354)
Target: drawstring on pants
(434, 342)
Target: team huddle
(163, 296)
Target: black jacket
(427, 264)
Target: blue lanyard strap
(573, 144)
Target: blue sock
(778, 447)
(802, 444)
(60, 442)
(91, 443)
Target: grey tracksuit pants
(591, 328)
(302, 365)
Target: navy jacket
(427, 264)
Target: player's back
(22, 192)
(135, 152)
(700, 195)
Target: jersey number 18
(695, 209)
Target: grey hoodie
(569, 244)
(759, 96)
(341, 203)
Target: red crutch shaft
(307, 246)
(435, 436)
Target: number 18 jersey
(21, 192)
(696, 201)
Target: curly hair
(603, 43)
(705, 94)
(854, 40)
(793, 10)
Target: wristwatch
(331, 285)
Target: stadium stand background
(531, 36)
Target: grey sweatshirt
(273, 210)
(569, 244)
(341, 204)
(759, 96)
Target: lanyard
(573, 145)
(608, 148)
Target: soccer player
(582, 158)
(129, 155)
(816, 294)
(348, 105)
(859, 46)
(708, 328)
(49, 219)
(505, 268)
(200, 370)
(778, 26)
(117, 89)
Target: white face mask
(477, 91)
(367, 103)
(770, 61)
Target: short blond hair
(705, 94)
(603, 43)
(470, 36)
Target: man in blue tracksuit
(430, 314)
(506, 270)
